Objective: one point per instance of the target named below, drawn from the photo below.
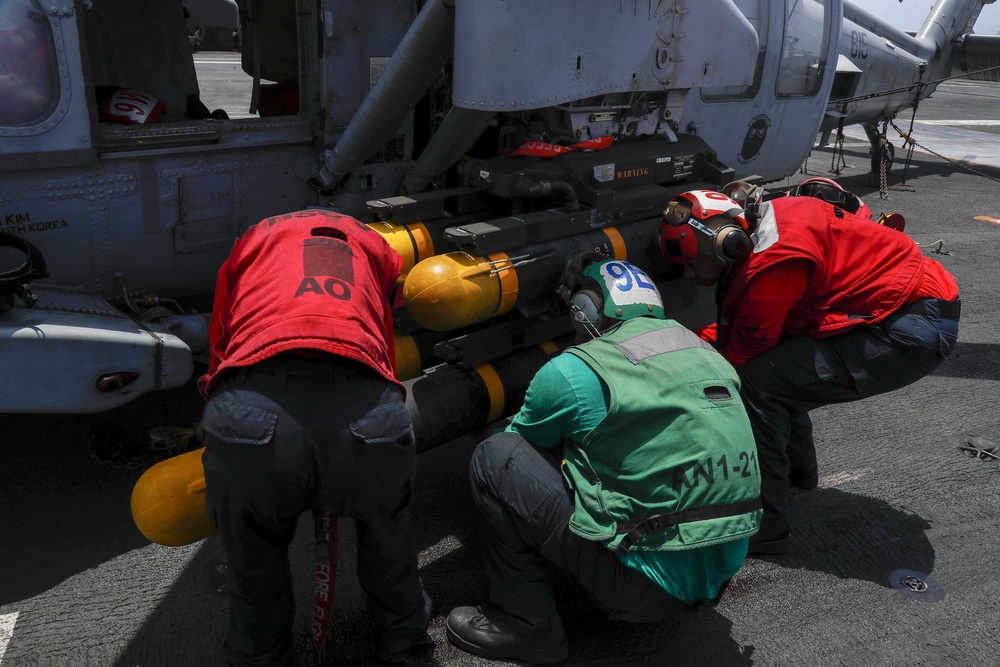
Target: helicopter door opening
(140, 65)
(140, 48)
(846, 80)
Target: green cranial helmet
(613, 291)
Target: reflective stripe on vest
(661, 341)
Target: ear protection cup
(678, 241)
(587, 309)
(731, 243)
(717, 220)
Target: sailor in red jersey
(816, 306)
(304, 412)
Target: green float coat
(678, 442)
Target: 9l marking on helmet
(628, 284)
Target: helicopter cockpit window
(29, 73)
(756, 12)
(800, 72)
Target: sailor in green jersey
(630, 465)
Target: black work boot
(497, 635)
(772, 545)
(806, 479)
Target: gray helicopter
(484, 138)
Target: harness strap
(634, 529)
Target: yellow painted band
(402, 241)
(494, 387)
(617, 242)
(549, 347)
(423, 244)
(407, 358)
(508, 281)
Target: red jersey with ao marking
(311, 280)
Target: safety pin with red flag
(543, 149)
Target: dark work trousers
(526, 505)
(290, 434)
(781, 386)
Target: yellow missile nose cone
(457, 289)
(168, 501)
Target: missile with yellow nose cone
(168, 500)
(459, 289)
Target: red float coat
(312, 280)
(813, 271)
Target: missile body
(459, 289)
(447, 402)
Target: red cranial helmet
(703, 222)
